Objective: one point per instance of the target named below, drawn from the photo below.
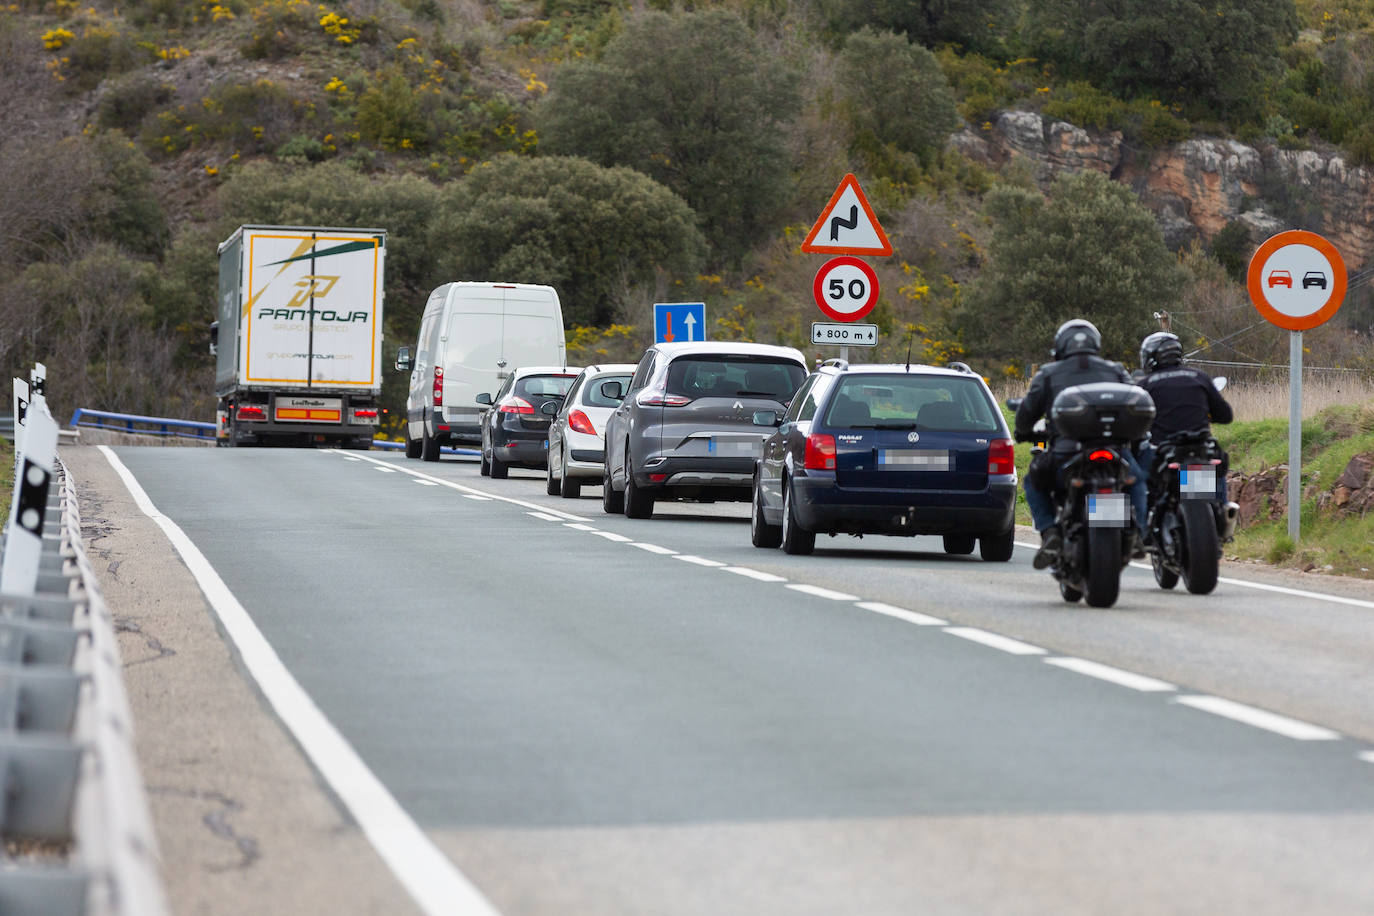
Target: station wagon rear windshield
(901, 401)
(708, 376)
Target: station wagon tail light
(438, 386)
(820, 452)
(659, 397)
(1001, 457)
(579, 422)
(249, 412)
(514, 404)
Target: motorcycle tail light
(1102, 454)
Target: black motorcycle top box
(1103, 410)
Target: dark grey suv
(685, 428)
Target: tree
(896, 93)
(593, 233)
(1088, 250)
(692, 101)
(1217, 54)
(976, 25)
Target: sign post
(1296, 281)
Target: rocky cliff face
(1197, 187)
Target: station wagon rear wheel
(761, 533)
(795, 538)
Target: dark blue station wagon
(888, 449)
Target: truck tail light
(514, 404)
(438, 386)
(580, 422)
(820, 452)
(365, 414)
(1001, 457)
(250, 412)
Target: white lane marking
(545, 517)
(995, 641)
(698, 561)
(822, 592)
(1366, 756)
(470, 492)
(426, 483)
(430, 877)
(612, 536)
(1114, 675)
(654, 548)
(1259, 718)
(386, 470)
(351, 458)
(485, 499)
(753, 574)
(578, 526)
(921, 620)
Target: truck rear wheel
(429, 447)
(412, 445)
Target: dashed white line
(386, 470)
(822, 592)
(698, 561)
(425, 483)
(1113, 675)
(1366, 756)
(654, 548)
(753, 574)
(578, 526)
(995, 641)
(544, 516)
(1259, 718)
(351, 458)
(921, 620)
(485, 499)
(612, 536)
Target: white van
(472, 337)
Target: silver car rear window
(708, 376)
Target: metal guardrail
(73, 813)
(142, 426)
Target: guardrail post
(24, 538)
(21, 408)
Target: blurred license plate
(734, 448)
(913, 459)
(1197, 481)
(1108, 510)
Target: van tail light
(659, 397)
(438, 386)
(250, 412)
(579, 422)
(1102, 454)
(820, 452)
(514, 404)
(1001, 457)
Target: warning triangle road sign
(847, 225)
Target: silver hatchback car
(686, 427)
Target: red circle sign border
(1254, 281)
(845, 261)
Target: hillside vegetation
(632, 152)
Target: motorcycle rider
(1076, 345)
(1185, 398)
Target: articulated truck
(298, 341)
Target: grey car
(686, 426)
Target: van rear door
(533, 333)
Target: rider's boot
(1050, 541)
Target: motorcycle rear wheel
(1104, 566)
(1201, 547)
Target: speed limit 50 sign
(846, 288)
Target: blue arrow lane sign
(679, 321)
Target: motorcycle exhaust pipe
(1230, 512)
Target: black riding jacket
(1185, 399)
(1079, 369)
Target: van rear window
(708, 376)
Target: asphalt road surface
(583, 713)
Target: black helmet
(1159, 350)
(1077, 335)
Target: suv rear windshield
(709, 376)
(901, 401)
(545, 387)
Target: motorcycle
(1188, 522)
(1094, 511)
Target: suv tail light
(820, 452)
(659, 397)
(1001, 457)
(579, 422)
(438, 386)
(514, 404)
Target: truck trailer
(298, 340)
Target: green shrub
(301, 148)
(389, 115)
(129, 100)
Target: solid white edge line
(1113, 675)
(921, 620)
(995, 641)
(822, 592)
(1259, 586)
(753, 574)
(431, 878)
(1259, 718)
(471, 493)
(654, 548)
(699, 561)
